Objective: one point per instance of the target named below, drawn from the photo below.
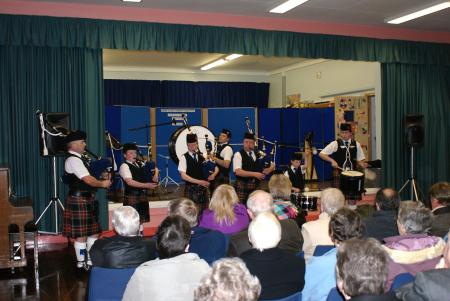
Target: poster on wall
(355, 110)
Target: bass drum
(178, 145)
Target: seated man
(320, 276)
(383, 222)
(175, 274)
(229, 280)
(210, 245)
(281, 273)
(316, 232)
(361, 269)
(413, 250)
(126, 249)
(260, 201)
(429, 285)
(440, 205)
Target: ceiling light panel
(420, 13)
(287, 6)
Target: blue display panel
(269, 127)
(163, 134)
(290, 134)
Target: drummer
(191, 171)
(296, 171)
(222, 157)
(344, 153)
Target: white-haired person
(230, 280)
(280, 272)
(225, 213)
(413, 250)
(260, 201)
(315, 233)
(126, 249)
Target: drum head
(178, 145)
(352, 173)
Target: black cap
(296, 156)
(191, 138)
(226, 132)
(129, 146)
(248, 135)
(75, 135)
(346, 127)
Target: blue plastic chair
(400, 280)
(108, 284)
(322, 249)
(293, 297)
(335, 295)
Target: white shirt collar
(74, 153)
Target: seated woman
(413, 250)
(280, 188)
(126, 249)
(225, 213)
(280, 272)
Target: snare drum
(308, 203)
(351, 183)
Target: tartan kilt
(198, 194)
(219, 180)
(336, 178)
(80, 217)
(141, 205)
(244, 188)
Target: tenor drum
(177, 141)
(351, 182)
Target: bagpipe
(264, 159)
(209, 166)
(148, 166)
(100, 168)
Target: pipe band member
(223, 157)
(136, 183)
(81, 211)
(191, 171)
(296, 171)
(344, 153)
(249, 172)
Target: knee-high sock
(80, 250)
(89, 243)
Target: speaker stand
(411, 180)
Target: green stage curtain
(87, 33)
(413, 89)
(52, 80)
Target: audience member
(175, 274)
(126, 249)
(383, 222)
(429, 285)
(261, 201)
(440, 204)
(225, 213)
(413, 250)
(361, 269)
(320, 275)
(230, 280)
(281, 273)
(210, 245)
(316, 232)
(280, 188)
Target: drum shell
(351, 186)
(308, 203)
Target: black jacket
(390, 296)
(120, 252)
(280, 273)
(381, 224)
(291, 239)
